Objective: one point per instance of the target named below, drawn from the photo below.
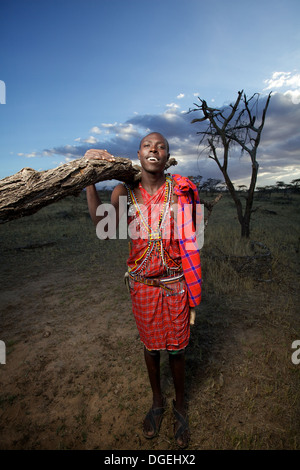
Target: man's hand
(98, 154)
(192, 316)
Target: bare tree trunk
(236, 127)
(27, 191)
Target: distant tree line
(209, 186)
(212, 186)
(280, 187)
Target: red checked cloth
(162, 317)
(190, 255)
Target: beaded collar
(154, 233)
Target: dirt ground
(75, 377)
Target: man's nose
(153, 148)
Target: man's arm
(93, 201)
(92, 195)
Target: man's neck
(151, 182)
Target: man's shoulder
(120, 190)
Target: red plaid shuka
(162, 316)
(188, 199)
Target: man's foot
(153, 421)
(181, 428)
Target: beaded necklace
(154, 235)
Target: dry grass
(248, 325)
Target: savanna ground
(75, 377)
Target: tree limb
(27, 191)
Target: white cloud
(90, 140)
(96, 130)
(287, 82)
(126, 132)
(47, 153)
(172, 105)
(180, 96)
(32, 155)
(294, 95)
(282, 80)
(105, 125)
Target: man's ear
(168, 156)
(138, 153)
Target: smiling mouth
(152, 159)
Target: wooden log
(27, 191)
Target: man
(164, 271)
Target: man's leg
(177, 365)
(152, 359)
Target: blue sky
(82, 74)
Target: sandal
(151, 415)
(183, 427)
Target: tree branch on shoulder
(27, 191)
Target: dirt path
(75, 377)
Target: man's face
(153, 153)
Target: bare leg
(177, 365)
(153, 366)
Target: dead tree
(27, 191)
(236, 125)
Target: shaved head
(157, 133)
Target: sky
(81, 74)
